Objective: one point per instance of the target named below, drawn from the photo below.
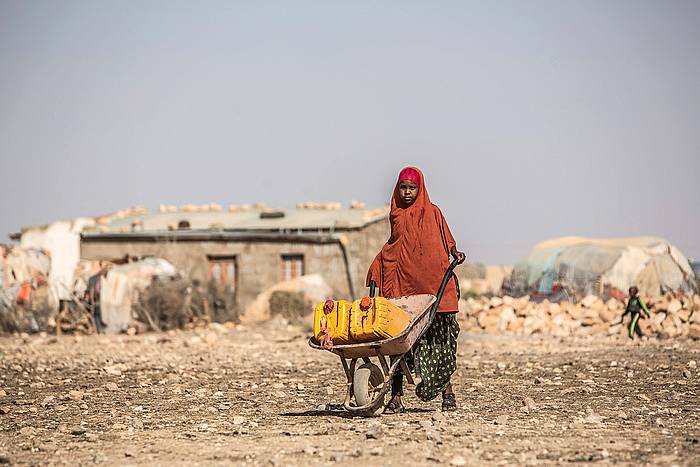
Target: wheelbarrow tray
(418, 306)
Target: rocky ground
(251, 396)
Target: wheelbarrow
(369, 383)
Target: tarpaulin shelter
(122, 285)
(604, 267)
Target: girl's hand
(458, 255)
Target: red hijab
(415, 258)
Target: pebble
(238, 420)
(77, 431)
(329, 391)
(375, 431)
(112, 386)
(76, 395)
(48, 400)
(529, 403)
(686, 374)
(501, 420)
(377, 451)
(692, 364)
(438, 417)
(644, 398)
(458, 460)
(2, 393)
(27, 431)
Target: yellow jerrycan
(376, 318)
(333, 315)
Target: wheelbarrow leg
(349, 374)
(385, 365)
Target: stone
(674, 306)
(495, 302)
(76, 395)
(238, 420)
(589, 300)
(3, 393)
(48, 400)
(112, 386)
(642, 397)
(686, 373)
(501, 420)
(529, 402)
(78, 430)
(376, 451)
(458, 460)
(375, 431)
(27, 431)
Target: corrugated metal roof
(293, 219)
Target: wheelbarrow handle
(443, 285)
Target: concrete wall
(259, 264)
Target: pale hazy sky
(531, 119)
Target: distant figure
(635, 306)
(94, 286)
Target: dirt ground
(252, 396)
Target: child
(414, 261)
(634, 307)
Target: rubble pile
(671, 316)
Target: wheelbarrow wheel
(367, 384)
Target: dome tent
(604, 267)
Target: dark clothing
(93, 295)
(635, 307)
(434, 358)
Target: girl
(412, 262)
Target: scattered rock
(458, 460)
(112, 386)
(48, 400)
(238, 420)
(76, 395)
(376, 451)
(77, 431)
(27, 431)
(375, 431)
(529, 403)
(501, 420)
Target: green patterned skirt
(435, 356)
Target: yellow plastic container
(335, 314)
(376, 318)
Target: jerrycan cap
(365, 303)
(328, 306)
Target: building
(246, 250)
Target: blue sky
(531, 120)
